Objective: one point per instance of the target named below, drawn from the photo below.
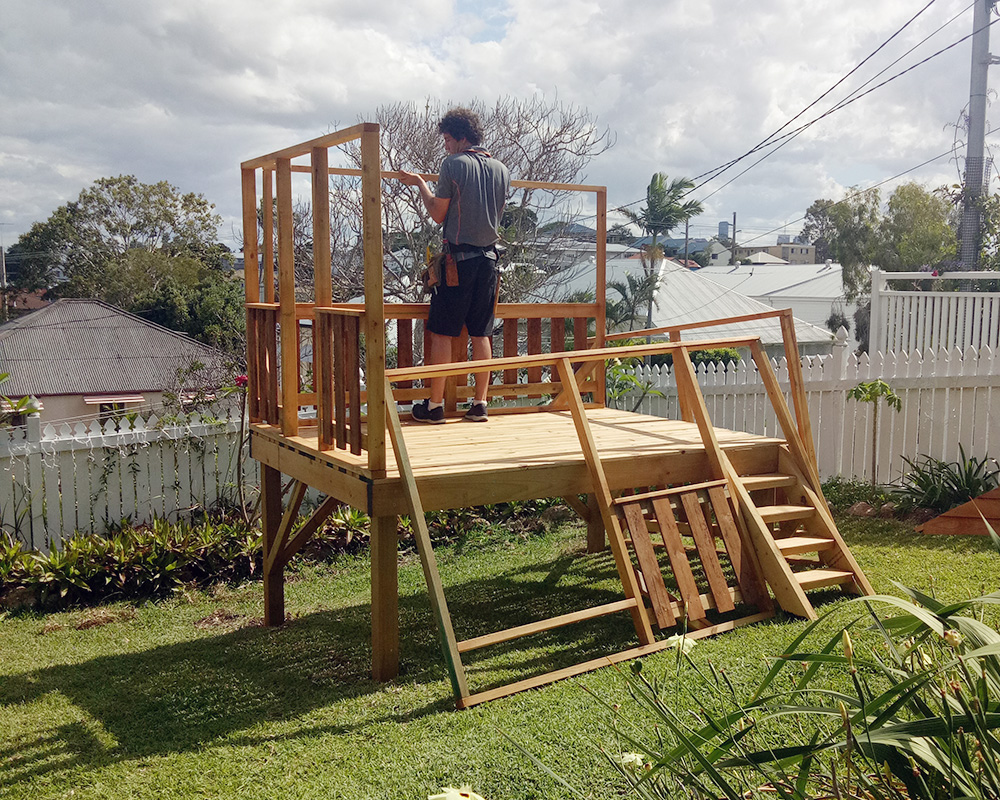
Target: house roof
(819, 281)
(686, 295)
(90, 347)
(675, 243)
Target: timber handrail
(792, 359)
(550, 359)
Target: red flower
(241, 381)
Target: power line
(768, 140)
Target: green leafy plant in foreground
(913, 716)
(942, 485)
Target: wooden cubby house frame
(716, 498)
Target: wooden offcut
(968, 519)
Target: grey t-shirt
(477, 187)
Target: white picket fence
(949, 398)
(908, 321)
(57, 480)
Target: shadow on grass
(181, 697)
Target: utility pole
(976, 175)
(686, 223)
(732, 240)
(3, 276)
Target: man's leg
(438, 353)
(482, 349)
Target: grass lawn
(192, 698)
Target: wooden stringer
(453, 648)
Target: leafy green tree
(819, 229)
(918, 229)
(146, 248)
(872, 392)
(915, 229)
(81, 250)
(665, 209)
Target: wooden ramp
(967, 519)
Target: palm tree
(665, 209)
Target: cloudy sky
(184, 90)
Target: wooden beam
(321, 227)
(374, 330)
(549, 359)
(311, 525)
(251, 275)
(435, 591)
(295, 151)
(286, 297)
(267, 226)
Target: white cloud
(184, 91)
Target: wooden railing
(528, 329)
(277, 323)
(792, 357)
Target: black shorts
(470, 304)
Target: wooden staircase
(799, 544)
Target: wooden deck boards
(524, 455)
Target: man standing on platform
(469, 199)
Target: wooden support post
(385, 598)
(374, 320)
(596, 535)
(251, 274)
(274, 588)
(591, 514)
(286, 298)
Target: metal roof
(686, 295)
(821, 281)
(90, 347)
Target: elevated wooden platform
(511, 457)
(681, 486)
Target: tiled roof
(90, 347)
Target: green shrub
(723, 356)
(842, 493)
(911, 714)
(150, 561)
(942, 485)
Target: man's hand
(437, 207)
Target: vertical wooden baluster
(271, 367)
(510, 351)
(341, 379)
(353, 359)
(404, 347)
(534, 346)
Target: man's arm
(437, 207)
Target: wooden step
(795, 545)
(767, 480)
(781, 513)
(815, 578)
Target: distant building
(790, 252)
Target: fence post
(33, 440)
(875, 324)
(840, 355)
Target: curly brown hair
(462, 123)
